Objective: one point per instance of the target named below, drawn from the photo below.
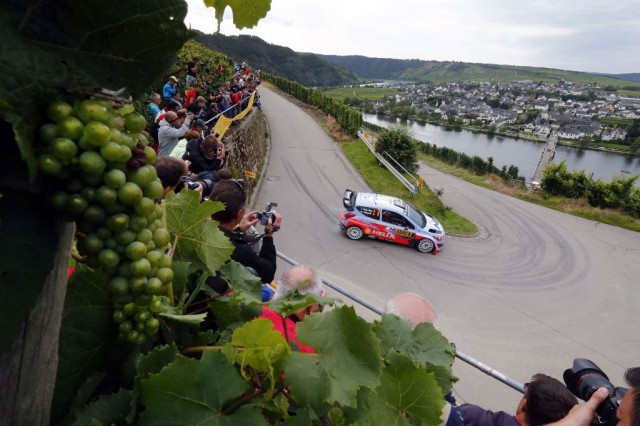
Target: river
(518, 152)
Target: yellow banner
(223, 123)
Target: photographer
(234, 220)
(173, 126)
(206, 156)
(628, 412)
(545, 400)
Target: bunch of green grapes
(105, 181)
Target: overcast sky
(581, 35)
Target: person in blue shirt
(154, 109)
(170, 88)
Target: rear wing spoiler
(349, 199)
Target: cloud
(592, 35)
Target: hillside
(439, 72)
(305, 68)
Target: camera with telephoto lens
(193, 183)
(584, 378)
(266, 214)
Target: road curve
(533, 290)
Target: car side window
(369, 212)
(394, 218)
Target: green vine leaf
(246, 13)
(190, 392)
(154, 361)
(293, 301)
(424, 345)
(199, 240)
(260, 348)
(108, 409)
(407, 395)
(87, 334)
(347, 357)
(246, 285)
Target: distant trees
(620, 193)
(475, 164)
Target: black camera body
(191, 183)
(266, 214)
(584, 378)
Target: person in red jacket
(191, 94)
(305, 279)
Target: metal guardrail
(460, 355)
(411, 187)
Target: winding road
(533, 290)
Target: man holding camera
(628, 412)
(172, 128)
(234, 220)
(207, 155)
(545, 400)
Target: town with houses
(527, 108)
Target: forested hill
(442, 71)
(305, 68)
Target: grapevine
(105, 181)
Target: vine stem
(198, 349)
(199, 285)
(172, 250)
(240, 402)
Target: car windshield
(415, 216)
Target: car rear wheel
(425, 245)
(354, 233)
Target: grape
(151, 326)
(138, 285)
(57, 110)
(90, 110)
(70, 127)
(140, 267)
(145, 236)
(136, 250)
(63, 148)
(92, 163)
(49, 164)
(97, 134)
(130, 194)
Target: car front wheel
(354, 233)
(425, 245)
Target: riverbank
(602, 146)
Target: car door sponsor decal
(380, 234)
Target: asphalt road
(533, 290)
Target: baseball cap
(173, 78)
(198, 122)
